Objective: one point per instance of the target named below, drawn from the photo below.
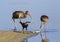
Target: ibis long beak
(30, 16)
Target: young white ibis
(20, 15)
(44, 20)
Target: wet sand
(9, 36)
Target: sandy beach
(9, 36)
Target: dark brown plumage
(43, 17)
(15, 14)
(24, 25)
